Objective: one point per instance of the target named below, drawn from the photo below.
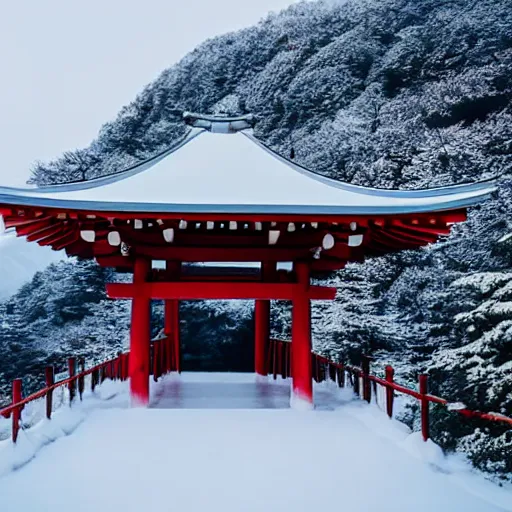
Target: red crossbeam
(204, 290)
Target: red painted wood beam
(397, 242)
(327, 265)
(261, 335)
(219, 278)
(82, 249)
(451, 217)
(444, 216)
(324, 264)
(436, 230)
(43, 233)
(13, 222)
(262, 321)
(409, 236)
(215, 291)
(302, 375)
(56, 238)
(140, 340)
(64, 242)
(36, 226)
(172, 310)
(103, 248)
(239, 238)
(114, 261)
(120, 262)
(340, 251)
(213, 254)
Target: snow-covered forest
(387, 93)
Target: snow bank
(456, 467)
(64, 421)
(345, 454)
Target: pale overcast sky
(67, 67)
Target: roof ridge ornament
(220, 123)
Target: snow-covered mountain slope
(19, 261)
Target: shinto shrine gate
(221, 195)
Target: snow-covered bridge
(219, 196)
(225, 442)
(216, 199)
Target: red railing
(162, 361)
(113, 369)
(362, 381)
(163, 357)
(279, 358)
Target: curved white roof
(235, 173)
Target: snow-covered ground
(222, 442)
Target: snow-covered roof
(231, 172)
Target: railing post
(269, 357)
(341, 376)
(289, 360)
(120, 368)
(314, 366)
(163, 358)
(115, 369)
(274, 360)
(50, 381)
(72, 383)
(425, 422)
(126, 363)
(174, 366)
(286, 365)
(355, 384)
(94, 379)
(365, 367)
(81, 378)
(280, 358)
(121, 358)
(156, 347)
(332, 372)
(390, 392)
(17, 395)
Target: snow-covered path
(205, 446)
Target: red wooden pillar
(168, 331)
(172, 319)
(262, 322)
(261, 335)
(302, 376)
(172, 331)
(140, 339)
